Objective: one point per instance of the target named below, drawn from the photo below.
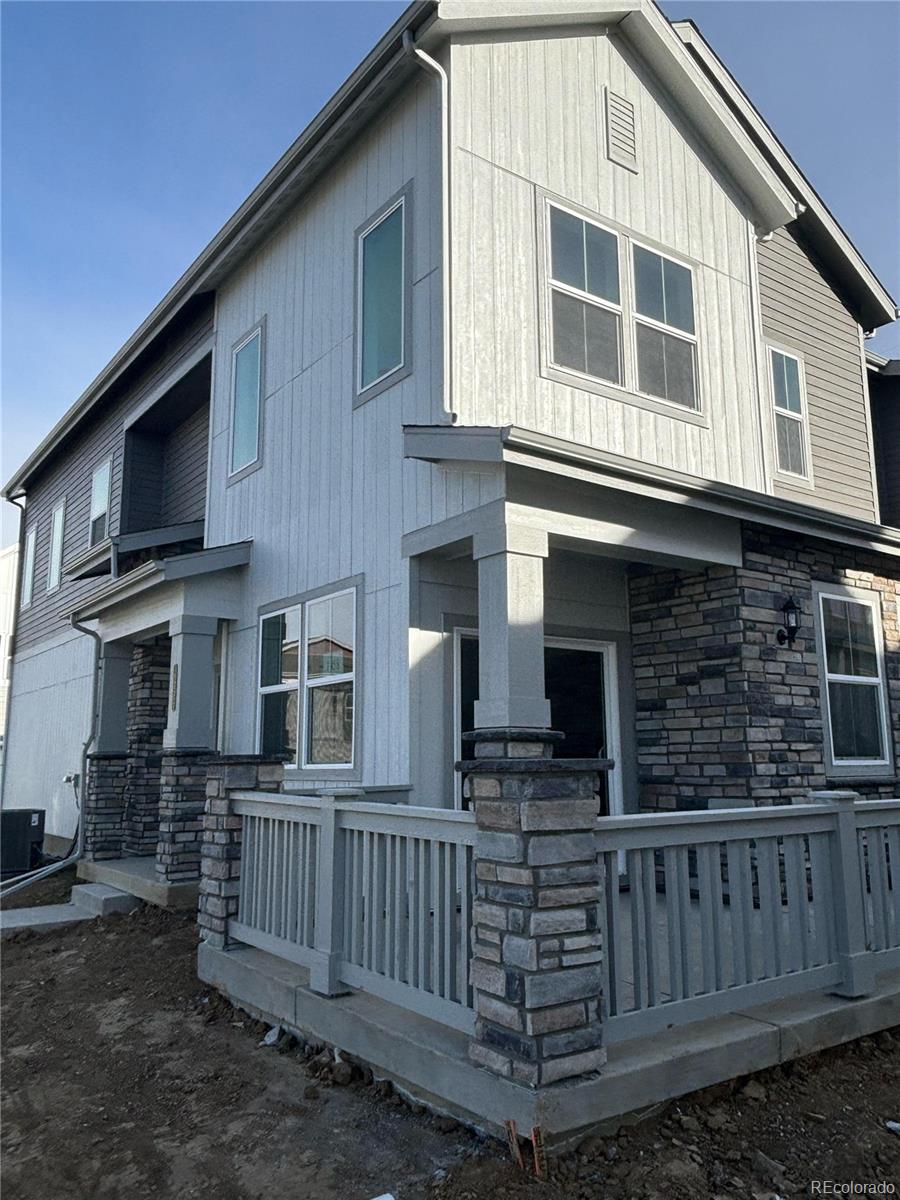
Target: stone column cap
(515, 734)
(534, 766)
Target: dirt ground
(124, 1078)
(55, 889)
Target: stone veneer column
(182, 798)
(220, 863)
(104, 805)
(535, 938)
(147, 702)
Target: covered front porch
(157, 631)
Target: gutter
(17, 596)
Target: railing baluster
(709, 916)
(609, 866)
(674, 930)
(651, 948)
(683, 889)
(770, 910)
(638, 924)
(893, 837)
(448, 932)
(740, 897)
(823, 896)
(795, 879)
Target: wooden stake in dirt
(540, 1153)
(515, 1150)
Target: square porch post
(535, 938)
(187, 748)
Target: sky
(132, 131)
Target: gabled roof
(866, 294)
(386, 68)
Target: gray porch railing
(708, 912)
(374, 896)
(701, 913)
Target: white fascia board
(661, 47)
(828, 228)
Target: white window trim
(651, 322)
(628, 390)
(92, 517)
(271, 688)
(613, 723)
(322, 680)
(55, 585)
(233, 471)
(29, 558)
(802, 418)
(304, 685)
(364, 388)
(853, 766)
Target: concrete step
(41, 918)
(99, 899)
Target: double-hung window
(245, 401)
(28, 566)
(307, 682)
(57, 532)
(100, 484)
(664, 328)
(381, 319)
(790, 414)
(585, 309)
(852, 653)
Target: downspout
(431, 64)
(20, 882)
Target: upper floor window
(584, 285)
(790, 414)
(245, 401)
(593, 299)
(852, 661)
(664, 328)
(100, 485)
(28, 566)
(57, 532)
(381, 318)
(306, 699)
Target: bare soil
(125, 1078)
(55, 889)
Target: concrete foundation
(137, 876)
(431, 1061)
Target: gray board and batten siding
(801, 312)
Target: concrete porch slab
(430, 1061)
(137, 876)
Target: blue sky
(131, 132)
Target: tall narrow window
(245, 386)
(854, 678)
(100, 503)
(279, 664)
(381, 298)
(665, 334)
(330, 643)
(790, 416)
(585, 312)
(28, 566)
(57, 532)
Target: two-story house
(527, 392)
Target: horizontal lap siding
(185, 457)
(70, 476)
(528, 115)
(801, 312)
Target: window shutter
(621, 135)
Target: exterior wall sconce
(792, 614)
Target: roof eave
(875, 304)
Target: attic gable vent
(621, 136)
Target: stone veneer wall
(104, 805)
(148, 696)
(723, 711)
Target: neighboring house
(8, 560)
(563, 423)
